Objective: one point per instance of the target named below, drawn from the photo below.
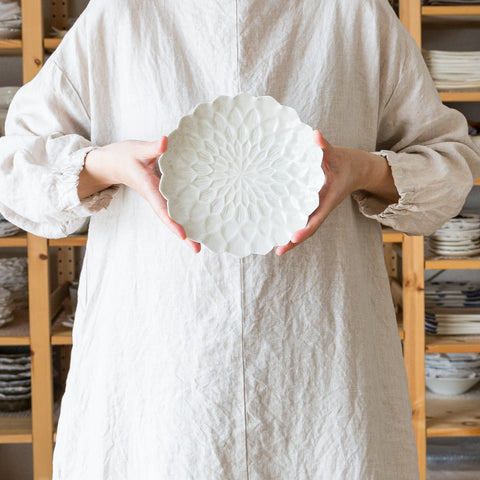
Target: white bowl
(6, 96)
(241, 174)
(450, 386)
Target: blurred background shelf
(453, 416)
(10, 48)
(452, 343)
(19, 240)
(16, 332)
(442, 263)
(451, 10)
(16, 427)
(71, 241)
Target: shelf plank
(51, 44)
(392, 236)
(452, 343)
(10, 48)
(451, 11)
(19, 240)
(453, 416)
(477, 181)
(61, 335)
(16, 427)
(444, 263)
(71, 241)
(460, 96)
(16, 332)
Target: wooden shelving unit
(448, 416)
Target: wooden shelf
(10, 48)
(16, 427)
(16, 332)
(477, 181)
(443, 263)
(401, 331)
(392, 236)
(453, 416)
(19, 240)
(460, 96)
(451, 11)
(51, 44)
(452, 343)
(61, 335)
(72, 241)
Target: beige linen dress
(210, 367)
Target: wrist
(97, 168)
(93, 177)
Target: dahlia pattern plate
(241, 174)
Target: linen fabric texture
(209, 366)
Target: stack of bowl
(6, 97)
(451, 373)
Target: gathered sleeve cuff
(42, 154)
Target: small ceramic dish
(450, 386)
(241, 174)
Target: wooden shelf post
(414, 342)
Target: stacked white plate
(451, 373)
(15, 384)
(453, 70)
(7, 229)
(452, 294)
(7, 306)
(459, 237)
(10, 19)
(6, 97)
(13, 277)
(453, 321)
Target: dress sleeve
(42, 154)
(434, 163)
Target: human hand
(132, 163)
(346, 170)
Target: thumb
(152, 149)
(320, 140)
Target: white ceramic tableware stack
(6, 97)
(7, 306)
(451, 373)
(7, 229)
(453, 70)
(452, 294)
(459, 237)
(10, 19)
(15, 384)
(13, 277)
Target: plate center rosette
(241, 174)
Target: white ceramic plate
(241, 174)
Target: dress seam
(242, 299)
(237, 46)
